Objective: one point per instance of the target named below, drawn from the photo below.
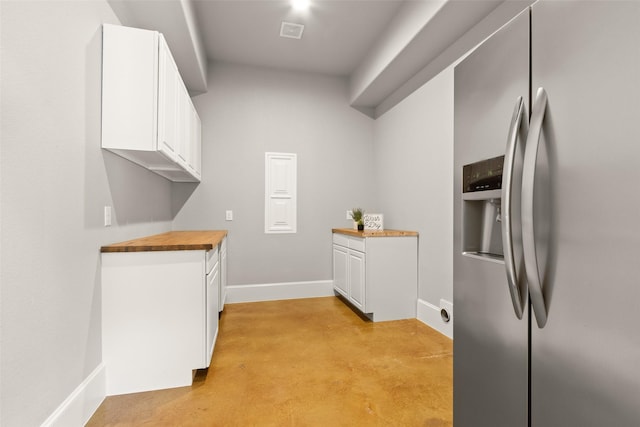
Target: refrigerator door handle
(528, 236)
(517, 298)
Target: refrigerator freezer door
(511, 187)
(585, 362)
(490, 342)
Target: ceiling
(336, 37)
(379, 45)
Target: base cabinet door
(340, 257)
(357, 279)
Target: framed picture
(373, 222)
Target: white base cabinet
(377, 275)
(159, 317)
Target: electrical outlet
(349, 214)
(107, 216)
(229, 215)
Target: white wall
(55, 181)
(249, 111)
(414, 168)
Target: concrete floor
(306, 362)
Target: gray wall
(55, 181)
(249, 111)
(414, 166)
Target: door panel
(340, 270)
(167, 110)
(490, 342)
(585, 361)
(357, 279)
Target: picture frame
(374, 221)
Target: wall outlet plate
(349, 212)
(228, 215)
(107, 216)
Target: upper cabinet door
(184, 114)
(129, 88)
(195, 142)
(167, 105)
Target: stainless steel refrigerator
(547, 220)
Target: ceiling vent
(291, 30)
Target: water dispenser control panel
(482, 209)
(483, 176)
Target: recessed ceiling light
(300, 4)
(291, 30)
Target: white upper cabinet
(147, 114)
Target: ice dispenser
(481, 209)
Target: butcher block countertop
(375, 233)
(171, 241)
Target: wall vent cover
(291, 30)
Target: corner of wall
(198, 47)
(82, 403)
(429, 314)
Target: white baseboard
(429, 314)
(279, 291)
(82, 403)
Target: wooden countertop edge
(170, 241)
(373, 233)
(156, 248)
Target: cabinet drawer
(356, 244)
(340, 239)
(212, 259)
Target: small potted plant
(357, 214)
